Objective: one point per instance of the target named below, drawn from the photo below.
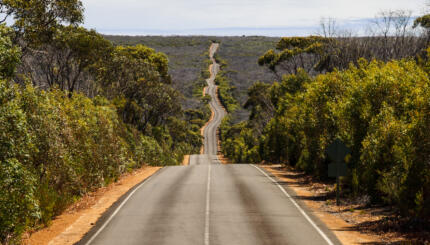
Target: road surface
(210, 137)
(209, 203)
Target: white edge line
(117, 210)
(297, 206)
(207, 213)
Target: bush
(9, 53)
(225, 90)
(380, 110)
(18, 205)
(55, 148)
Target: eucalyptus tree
(70, 60)
(137, 78)
(294, 53)
(35, 21)
(9, 53)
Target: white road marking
(208, 200)
(116, 211)
(297, 206)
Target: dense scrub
(76, 112)
(188, 57)
(241, 69)
(56, 146)
(225, 89)
(380, 110)
(55, 149)
(188, 68)
(326, 91)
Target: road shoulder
(344, 231)
(71, 226)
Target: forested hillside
(76, 112)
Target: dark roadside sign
(337, 152)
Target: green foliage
(67, 144)
(423, 21)
(77, 52)
(238, 142)
(379, 109)
(137, 79)
(18, 206)
(225, 92)
(105, 111)
(36, 20)
(291, 47)
(9, 53)
(259, 103)
(57, 148)
(15, 140)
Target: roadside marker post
(337, 152)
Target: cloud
(176, 15)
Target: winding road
(209, 203)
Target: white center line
(297, 206)
(208, 199)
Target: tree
(328, 27)
(70, 61)
(295, 53)
(137, 78)
(18, 205)
(9, 53)
(127, 65)
(260, 105)
(391, 30)
(423, 21)
(35, 21)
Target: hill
(187, 61)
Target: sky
(233, 17)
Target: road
(209, 203)
(210, 137)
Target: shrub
(55, 148)
(18, 205)
(380, 110)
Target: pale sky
(231, 17)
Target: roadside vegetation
(370, 92)
(225, 90)
(188, 61)
(188, 67)
(77, 111)
(239, 57)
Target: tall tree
(70, 60)
(295, 53)
(137, 78)
(9, 53)
(35, 21)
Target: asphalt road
(210, 137)
(209, 203)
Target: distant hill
(187, 56)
